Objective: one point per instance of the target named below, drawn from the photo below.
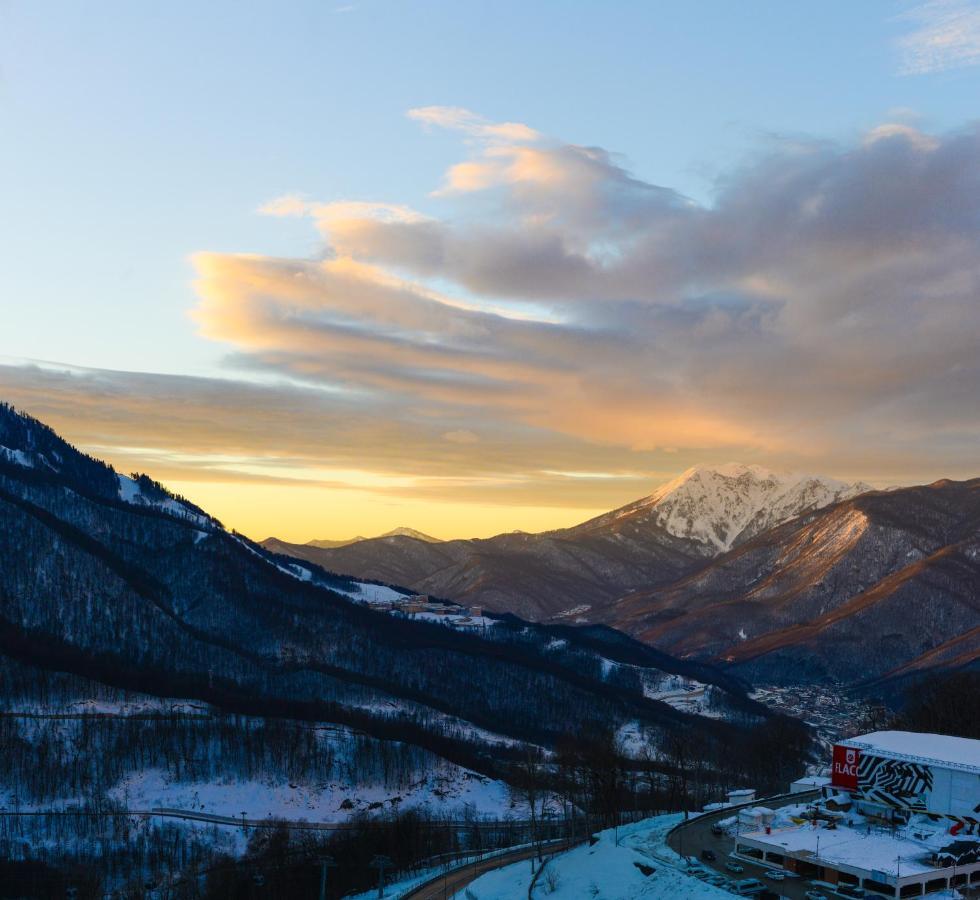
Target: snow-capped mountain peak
(720, 506)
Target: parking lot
(694, 837)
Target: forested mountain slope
(116, 580)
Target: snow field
(610, 870)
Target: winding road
(450, 883)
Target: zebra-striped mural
(904, 785)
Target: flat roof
(843, 846)
(936, 749)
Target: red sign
(844, 772)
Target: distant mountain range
(574, 572)
(327, 544)
(793, 577)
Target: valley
(183, 686)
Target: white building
(810, 783)
(899, 819)
(898, 773)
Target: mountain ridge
(400, 531)
(554, 574)
(880, 584)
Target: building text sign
(844, 773)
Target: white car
(775, 875)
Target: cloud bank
(555, 331)
(823, 307)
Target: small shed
(810, 783)
(756, 817)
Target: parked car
(709, 855)
(814, 895)
(775, 875)
(748, 887)
(735, 867)
(851, 890)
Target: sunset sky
(330, 268)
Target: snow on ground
(130, 492)
(443, 793)
(715, 505)
(852, 847)
(684, 694)
(635, 741)
(362, 591)
(855, 841)
(17, 456)
(609, 870)
(372, 593)
(457, 620)
(131, 705)
(573, 611)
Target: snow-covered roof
(935, 749)
(849, 847)
(815, 780)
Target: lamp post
(381, 862)
(326, 862)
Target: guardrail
(727, 811)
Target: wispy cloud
(946, 36)
(459, 119)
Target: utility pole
(381, 862)
(244, 827)
(326, 862)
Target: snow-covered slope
(724, 505)
(626, 864)
(132, 491)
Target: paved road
(446, 886)
(691, 839)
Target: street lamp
(381, 862)
(326, 862)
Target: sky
(331, 268)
